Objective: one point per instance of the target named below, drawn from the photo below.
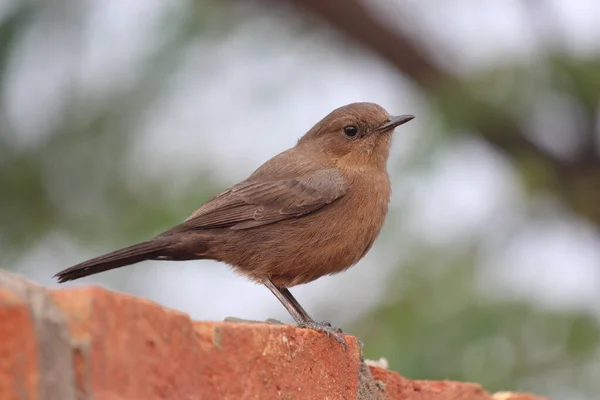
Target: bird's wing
(251, 204)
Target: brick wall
(90, 343)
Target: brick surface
(400, 388)
(273, 362)
(91, 343)
(18, 369)
(115, 334)
(128, 348)
(35, 349)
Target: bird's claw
(270, 321)
(338, 330)
(328, 329)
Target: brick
(397, 387)
(400, 388)
(34, 344)
(275, 362)
(91, 343)
(116, 334)
(128, 348)
(18, 363)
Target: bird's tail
(149, 250)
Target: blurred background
(119, 118)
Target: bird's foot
(338, 330)
(270, 321)
(328, 329)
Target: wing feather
(251, 204)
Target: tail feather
(119, 258)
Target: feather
(251, 204)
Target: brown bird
(312, 210)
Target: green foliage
(436, 323)
(76, 179)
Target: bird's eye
(350, 130)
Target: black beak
(395, 121)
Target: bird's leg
(301, 316)
(286, 292)
(298, 316)
(288, 295)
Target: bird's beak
(395, 121)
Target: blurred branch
(355, 20)
(10, 27)
(575, 180)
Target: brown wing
(250, 204)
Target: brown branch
(353, 19)
(576, 180)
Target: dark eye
(350, 130)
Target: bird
(310, 211)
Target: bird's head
(355, 135)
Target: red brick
(90, 343)
(399, 388)
(34, 344)
(116, 334)
(275, 362)
(18, 349)
(128, 348)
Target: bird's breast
(341, 234)
(327, 241)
